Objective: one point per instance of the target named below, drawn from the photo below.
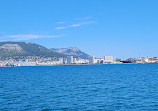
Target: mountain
(72, 51)
(23, 49)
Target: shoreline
(74, 65)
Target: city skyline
(114, 28)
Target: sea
(109, 87)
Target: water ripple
(130, 87)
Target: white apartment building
(70, 60)
(109, 59)
(80, 61)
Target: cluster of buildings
(91, 60)
(43, 61)
(140, 60)
(72, 60)
(105, 60)
(32, 61)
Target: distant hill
(72, 51)
(22, 49)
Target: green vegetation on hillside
(28, 49)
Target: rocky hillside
(72, 51)
(21, 49)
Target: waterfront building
(98, 60)
(109, 59)
(139, 61)
(91, 59)
(70, 60)
(61, 60)
(155, 59)
(80, 61)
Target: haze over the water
(120, 28)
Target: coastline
(74, 65)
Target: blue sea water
(111, 87)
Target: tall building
(70, 60)
(91, 59)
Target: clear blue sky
(120, 28)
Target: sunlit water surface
(121, 87)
